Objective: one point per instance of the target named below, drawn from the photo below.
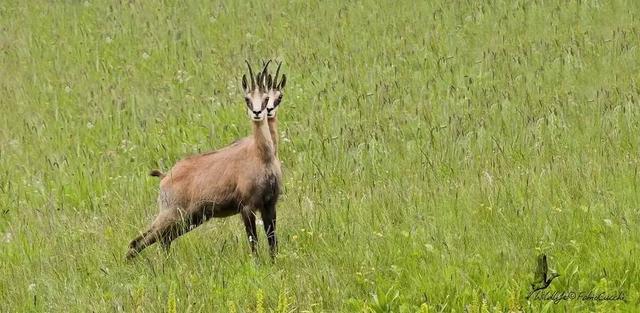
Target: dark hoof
(131, 254)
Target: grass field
(431, 150)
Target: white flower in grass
(8, 237)
(89, 125)
(608, 222)
(14, 142)
(145, 55)
(488, 177)
(67, 89)
(31, 287)
(182, 76)
(108, 39)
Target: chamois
(275, 93)
(241, 178)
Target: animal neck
(262, 140)
(273, 130)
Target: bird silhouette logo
(542, 277)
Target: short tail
(157, 173)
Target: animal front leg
(249, 220)
(269, 220)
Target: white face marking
(256, 103)
(256, 96)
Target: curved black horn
(264, 67)
(263, 74)
(275, 78)
(253, 81)
(259, 81)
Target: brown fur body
(222, 182)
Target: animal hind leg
(179, 228)
(135, 249)
(136, 241)
(164, 222)
(182, 224)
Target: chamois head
(275, 91)
(255, 95)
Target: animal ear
(244, 81)
(283, 81)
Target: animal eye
(278, 101)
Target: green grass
(430, 150)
